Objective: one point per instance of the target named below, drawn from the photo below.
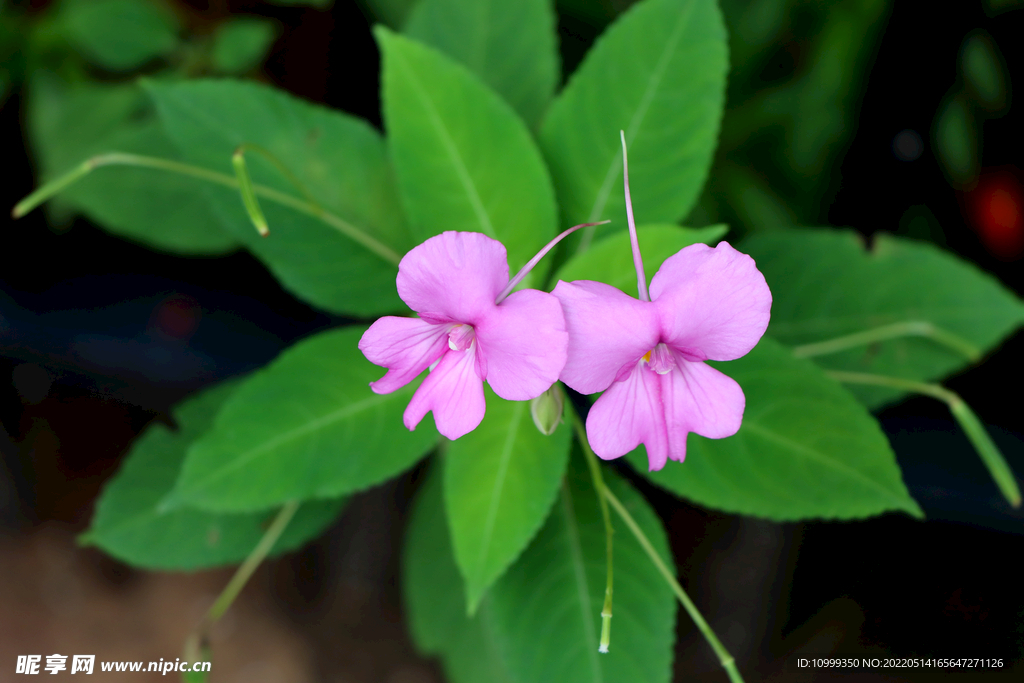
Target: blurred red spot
(996, 208)
(177, 317)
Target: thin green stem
(609, 531)
(249, 200)
(909, 328)
(979, 437)
(123, 159)
(605, 494)
(726, 659)
(197, 643)
(246, 569)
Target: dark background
(108, 335)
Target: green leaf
(464, 160)
(510, 46)
(984, 70)
(338, 160)
(393, 13)
(957, 140)
(120, 35)
(500, 481)
(310, 3)
(433, 591)
(546, 610)
(128, 526)
(807, 449)
(164, 211)
(240, 44)
(610, 260)
(658, 73)
(305, 426)
(826, 285)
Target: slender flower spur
(470, 328)
(648, 355)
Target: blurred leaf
(807, 449)
(339, 160)
(994, 7)
(68, 124)
(546, 610)
(957, 139)
(242, 43)
(305, 426)
(610, 260)
(323, 4)
(984, 71)
(464, 160)
(128, 526)
(433, 591)
(393, 13)
(500, 481)
(825, 285)
(658, 73)
(510, 46)
(120, 35)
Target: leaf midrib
(582, 587)
(820, 458)
(499, 483)
(653, 82)
(449, 144)
(246, 457)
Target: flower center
(660, 359)
(461, 337)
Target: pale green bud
(546, 410)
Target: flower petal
(405, 346)
(712, 303)
(522, 344)
(453, 277)
(697, 398)
(627, 414)
(608, 330)
(454, 391)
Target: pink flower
(471, 328)
(648, 355)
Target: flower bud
(546, 410)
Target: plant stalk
(979, 437)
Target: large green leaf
(338, 160)
(120, 34)
(434, 591)
(70, 123)
(306, 426)
(610, 260)
(658, 73)
(826, 285)
(128, 526)
(546, 610)
(807, 449)
(509, 45)
(464, 160)
(500, 481)
(242, 43)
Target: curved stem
(979, 437)
(198, 641)
(726, 659)
(124, 159)
(609, 531)
(525, 270)
(638, 261)
(909, 328)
